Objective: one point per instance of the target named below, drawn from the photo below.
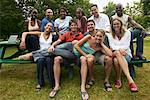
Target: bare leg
(83, 72)
(108, 67)
(117, 69)
(57, 71)
(124, 66)
(90, 62)
(26, 56)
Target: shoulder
(91, 18)
(86, 33)
(103, 15)
(57, 20)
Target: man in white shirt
(136, 31)
(101, 20)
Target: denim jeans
(64, 50)
(136, 33)
(43, 63)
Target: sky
(103, 3)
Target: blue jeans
(47, 63)
(64, 50)
(136, 33)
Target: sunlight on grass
(18, 81)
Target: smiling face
(63, 13)
(94, 11)
(119, 10)
(48, 27)
(99, 37)
(79, 13)
(49, 13)
(90, 26)
(73, 27)
(116, 25)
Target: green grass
(18, 81)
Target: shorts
(127, 58)
(99, 58)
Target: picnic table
(14, 42)
(9, 43)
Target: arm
(106, 50)
(26, 25)
(42, 26)
(80, 43)
(107, 24)
(135, 24)
(39, 24)
(24, 34)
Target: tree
(10, 18)
(110, 9)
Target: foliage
(10, 18)
(110, 9)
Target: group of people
(84, 42)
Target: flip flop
(89, 84)
(53, 93)
(84, 96)
(107, 86)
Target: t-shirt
(69, 37)
(63, 24)
(102, 22)
(44, 22)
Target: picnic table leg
(2, 51)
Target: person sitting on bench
(137, 31)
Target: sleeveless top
(124, 19)
(33, 28)
(44, 44)
(86, 48)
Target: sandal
(53, 93)
(118, 84)
(84, 95)
(107, 86)
(133, 87)
(89, 84)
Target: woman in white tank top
(45, 40)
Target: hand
(143, 33)
(74, 42)
(123, 52)
(22, 45)
(51, 49)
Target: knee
(117, 54)
(108, 60)
(115, 60)
(57, 59)
(83, 59)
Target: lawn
(18, 81)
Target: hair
(91, 21)
(122, 31)
(64, 8)
(80, 9)
(94, 5)
(34, 10)
(72, 21)
(100, 30)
